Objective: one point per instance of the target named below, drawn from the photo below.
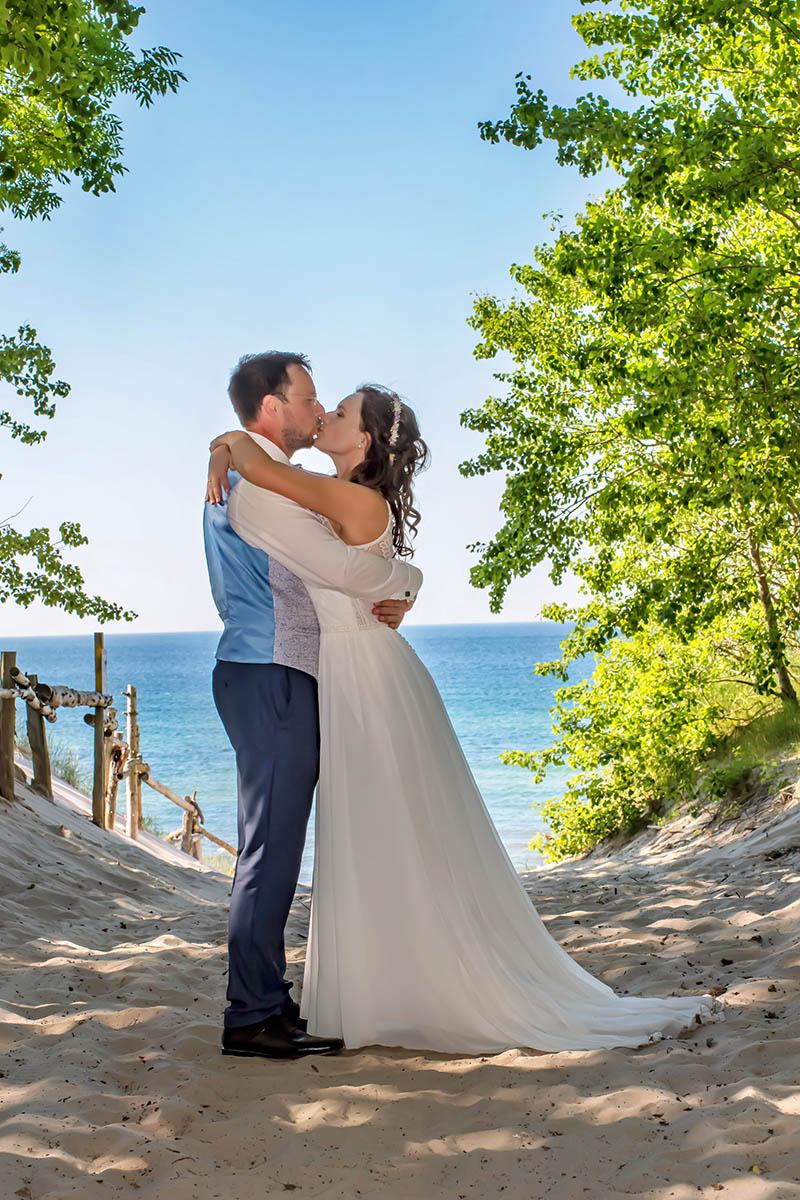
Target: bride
(422, 934)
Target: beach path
(113, 1086)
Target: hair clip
(398, 408)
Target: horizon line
(218, 632)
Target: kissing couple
(421, 932)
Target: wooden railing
(115, 758)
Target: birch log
(66, 697)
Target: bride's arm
(359, 511)
(312, 551)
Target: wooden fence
(115, 758)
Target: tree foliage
(62, 65)
(633, 733)
(650, 431)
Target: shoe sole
(277, 1057)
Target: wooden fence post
(8, 659)
(99, 783)
(118, 757)
(195, 846)
(40, 754)
(108, 771)
(187, 833)
(133, 817)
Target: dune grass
(154, 826)
(220, 862)
(756, 746)
(64, 762)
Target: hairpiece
(397, 405)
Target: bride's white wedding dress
(421, 932)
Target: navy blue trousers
(271, 717)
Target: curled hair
(390, 469)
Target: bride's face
(341, 432)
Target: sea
(485, 674)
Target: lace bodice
(338, 613)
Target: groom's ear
(270, 404)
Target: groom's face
(300, 410)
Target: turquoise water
(484, 672)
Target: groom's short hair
(258, 375)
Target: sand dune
(113, 1085)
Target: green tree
(651, 429)
(633, 735)
(62, 64)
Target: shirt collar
(272, 450)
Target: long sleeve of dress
(312, 551)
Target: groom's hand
(391, 612)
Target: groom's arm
(312, 551)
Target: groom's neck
(272, 435)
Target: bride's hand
(218, 466)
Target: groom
(261, 549)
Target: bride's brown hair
(394, 456)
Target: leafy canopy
(650, 430)
(62, 65)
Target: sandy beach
(113, 1085)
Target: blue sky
(318, 184)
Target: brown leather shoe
(276, 1038)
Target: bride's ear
(364, 441)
